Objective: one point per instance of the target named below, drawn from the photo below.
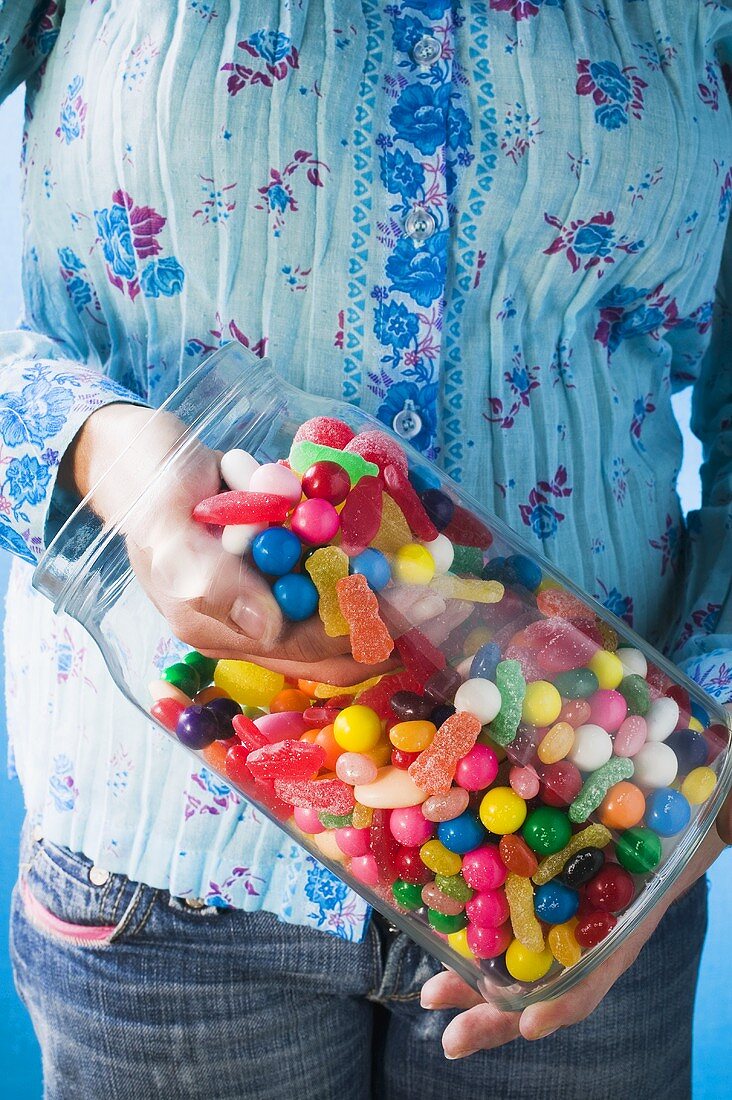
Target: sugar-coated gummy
(378, 447)
(304, 454)
(327, 430)
(594, 836)
(479, 591)
(326, 566)
(434, 769)
(597, 785)
(520, 897)
(371, 641)
(250, 684)
(318, 794)
(393, 530)
(512, 687)
(400, 489)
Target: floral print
(590, 243)
(272, 57)
(73, 113)
(616, 93)
(127, 235)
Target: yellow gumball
(357, 729)
(698, 785)
(608, 668)
(440, 859)
(695, 725)
(459, 942)
(525, 965)
(502, 811)
(413, 564)
(542, 704)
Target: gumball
(698, 785)
(413, 564)
(327, 481)
(438, 506)
(477, 769)
(355, 768)
(276, 551)
(458, 941)
(407, 895)
(445, 924)
(483, 868)
(365, 870)
(442, 553)
(479, 697)
(690, 749)
(560, 783)
(373, 566)
(409, 827)
(592, 928)
(631, 737)
(315, 521)
(555, 903)
(524, 781)
(488, 909)
(409, 866)
(611, 889)
(307, 820)
(607, 709)
(461, 834)
(591, 749)
(655, 765)
(197, 727)
(516, 856)
(525, 570)
(622, 807)
(581, 867)
(357, 728)
(296, 595)
(661, 719)
(547, 830)
(488, 943)
(525, 965)
(502, 811)
(542, 704)
(352, 842)
(667, 811)
(485, 662)
(639, 850)
(275, 478)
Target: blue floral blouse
(503, 218)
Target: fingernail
(460, 1054)
(544, 1032)
(253, 619)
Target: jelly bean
(275, 478)
(364, 869)
(547, 830)
(502, 811)
(406, 894)
(434, 898)
(318, 794)
(444, 924)
(631, 736)
(412, 736)
(563, 943)
(575, 713)
(520, 898)
(592, 928)
(622, 807)
(556, 743)
(516, 856)
(326, 566)
(357, 728)
(413, 564)
(488, 943)
(410, 706)
(633, 661)
(291, 700)
(317, 717)
(296, 596)
(560, 782)
(383, 845)
(434, 769)
(485, 662)
(512, 689)
(197, 727)
(208, 694)
(454, 886)
(581, 867)
(458, 941)
(488, 909)
(477, 769)
(639, 850)
(467, 561)
(378, 697)
(355, 769)
(438, 506)
(392, 789)
(237, 538)
(466, 529)
(607, 709)
(182, 676)
(594, 836)
(698, 785)
(242, 507)
(591, 749)
(596, 787)
(409, 827)
(442, 553)
(689, 747)
(325, 430)
(442, 685)
(326, 481)
(634, 690)
(371, 642)
(578, 683)
(167, 712)
(237, 467)
(559, 646)
(555, 903)
(307, 820)
(362, 816)
(524, 781)
(393, 530)
(468, 588)
(316, 521)
(461, 834)
(661, 719)
(445, 807)
(401, 759)
(611, 889)
(418, 655)
(479, 697)
(374, 566)
(304, 454)
(399, 488)
(439, 859)
(286, 759)
(655, 765)
(608, 668)
(250, 684)
(410, 867)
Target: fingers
(447, 990)
(481, 1028)
(724, 819)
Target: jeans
(156, 999)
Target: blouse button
(407, 423)
(419, 224)
(426, 50)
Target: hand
(482, 1026)
(724, 819)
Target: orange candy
(560, 602)
(328, 743)
(517, 857)
(308, 687)
(290, 699)
(215, 755)
(622, 807)
(207, 694)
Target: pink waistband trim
(93, 932)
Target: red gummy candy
(167, 712)
(249, 734)
(332, 796)
(560, 782)
(238, 506)
(235, 767)
(379, 448)
(317, 717)
(419, 655)
(434, 769)
(400, 490)
(384, 847)
(286, 760)
(379, 696)
(560, 602)
(326, 430)
(558, 646)
(361, 515)
(467, 530)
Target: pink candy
(446, 807)
(488, 943)
(488, 909)
(327, 430)
(410, 827)
(631, 737)
(483, 869)
(354, 768)
(331, 795)
(379, 448)
(242, 507)
(315, 521)
(477, 769)
(524, 781)
(308, 820)
(280, 725)
(364, 869)
(277, 479)
(607, 709)
(352, 842)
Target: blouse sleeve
(28, 31)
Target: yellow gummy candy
(326, 566)
(520, 898)
(249, 684)
(362, 816)
(331, 691)
(563, 944)
(479, 636)
(594, 836)
(394, 531)
(468, 588)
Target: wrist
(98, 443)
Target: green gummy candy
(596, 787)
(467, 560)
(454, 886)
(304, 454)
(204, 666)
(335, 821)
(441, 922)
(512, 687)
(636, 693)
(407, 894)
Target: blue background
(19, 1055)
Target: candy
(575, 713)
(280, 725)
(238, 506)
(355, 768)
(468, 588)
(488, 909)
(399, 488)
(393, 530)
(611, 889)
(250, 684)
(326, 481)
(477, 769)
(357, 728)
(512, 689)
(413, 564)
(698, 785)
(631, 737)
(555, 903)
(576, 683)
(592, 928)
(237, 468)
(374, 566)
(607, 709)
(467, 561)
(182, 676)
(461, 834)
(485, 661)
(419, 655)
(516, 855)
(327, 845)
(335, 821)
(433, 897)
(483, 868)
(623, 806)
(560, 782)
(331, 795)
(378, 697)
(409, 827)
(466, 529)
(362, 816)
(304, 454)
(168, 711)
(655, 765)
(441, 686)
(379, 448)
(286, 760)
(444, 924)
(581, 867)
(547, 830)
(249, 734)
(639, 850)
(406, 894)
(524, 781)
(444, 807)
(204, 666)
(364, 869)
(520, 898)
(371, 642)
(275, 478)
(454, 886)
(592, 748)
(307, 820)
(608, 668)
(292, 699)
(315, 521)
(325, 430)
(556, 743)
(412, 736)
(542, 703)
(276, 551)
(410, 867)
(438, 506)
(502, 811)
(633, 661)
(563, 943)
(442, 553)
(402, 759)
(597, 786)
(352, 841)
(478, 697)
(557, 601)
(434, 768)
(689, 747)
(436, 856)
(525, 965)
(411, 706)
(296, 596)
(594, 836)
(326, 566)
(634, 690)
(383, 846)
(360, 516)
(392, 789)
(197, 727)
(661, 719)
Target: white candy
(633, 661)
(479, 697)
(662, 719)
(442, 553)
(237, 467)
(655, 765)
(393, 789)
(277, 479)
(592, 747)
(237, 537)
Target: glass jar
(526, 779)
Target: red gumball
(327, 481)
(593, 927)
(560, 783)
(611, 890)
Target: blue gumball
(297, 596)
(526, 571)
(276, 551)
(374, 567)
(462, 834)
(555, 903)
(690, 748)
(667, 811)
